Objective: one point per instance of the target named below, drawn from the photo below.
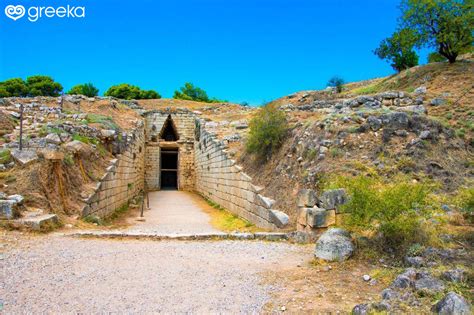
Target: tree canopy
(193, 93)
(399, 49)
(129, 92)
(336, 82)
(87, 89)
(445, 25)
(41, 85)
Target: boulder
(415, 261)
(24, 157)
(279, 218)
(405, 279)
(307, 198)
(374, 123)
(331, 199)
(334, 245)
(452, 304)
(396, 120)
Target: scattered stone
(24, 157)
(420, 90)
(77, 146)
(425, 134)
(331, 199)
(53, 138)
(452, 304)
(361, 309)
(374, 123)
(438, 101)
(416, 261)
(16, 198)
(396, 120)
(3, 196)
(334, 245)
(417, 109)
(8, 209)
(107, 133)
(428, 283)
(366, 278)
(454, 275)
(389, 294)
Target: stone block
(39, 222)
(7, 209)
(331, 199)
(319, 218)
(265, 201)
(307, 198)
(24, 157)
(279, 218)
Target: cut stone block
(279, 218)
(39, 222)
(24, 157)
(265, 202)
(331, 199)
(319, 218)
(307, 198)
(7, 209)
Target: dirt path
(175, 212)
(57, 274)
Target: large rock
(307, 198)
(331, 199)
(452, 304)
(319, 218)
(396, 120)
(24, 157)
(53, 138)
(429, 284)
(77, 147)
(40, 222)
(334, 245)
(455, 275)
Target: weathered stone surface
(452, 304)
(361, 309)
(52, 154)
(331, 199)
(396, 120)
(415, 261)
(53, 138)
(455, 275)
(418, 109)
(374, 123)
(24, 157)
(334, 245)
(107, 133)
(7, 209)
(265, 202)
(319, 218)
(279, 218)
(16, 198)
(307, 198)
(428, 283)
(39, 222)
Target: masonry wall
(123, 180)
(219, 179)
(184, 123)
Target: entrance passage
(169, 169)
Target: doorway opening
(169, 168)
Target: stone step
(263, 236)
(38, 222)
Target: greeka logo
(16, 12)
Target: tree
(129, 92)
(13, 88)
(87, 89)
(445, 25)
(336, 82)
(41, 85)
(398, 49)
(149, 94)
(267, 130)
(191, 93)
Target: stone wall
(184, 123)
(123, 180)
(219, 179)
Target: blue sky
(239, 50)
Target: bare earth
(56, 274)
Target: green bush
(128, 92)
(193, 93)
(465, 202)
(13, 88)
(397, 211)
(87, 89)
(41, 85)
(5, 156)
(267, 130)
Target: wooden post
(21, 127)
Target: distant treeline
(41, 85)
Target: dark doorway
(168, 132)
(169, 168)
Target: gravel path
(57, 274)
(175, 212)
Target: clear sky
(239, 50)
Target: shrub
(336, 82)
(13, 88)
(41, 85)
(193, 93)
(128, 92)
(267, 130)
(87, 89)
(398, 49)
(397, 211)
(435, 57)
(465, 202)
